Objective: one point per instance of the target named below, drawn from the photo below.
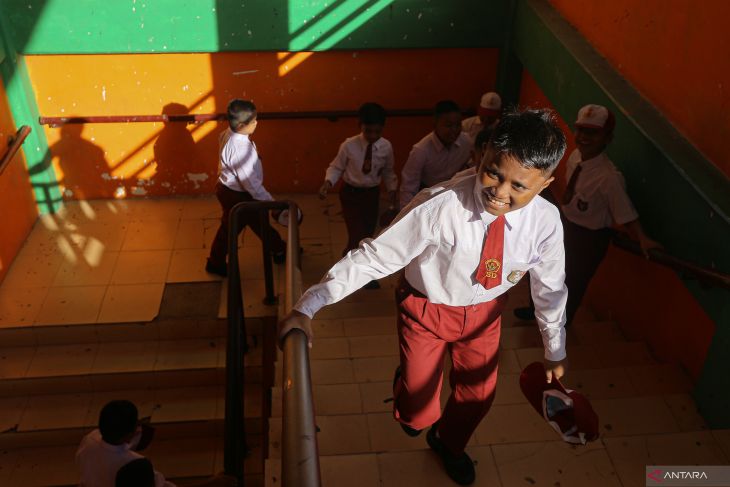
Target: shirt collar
(593, 161)
(364, 142)
(439, 146)
(511, 218)
(237, 135)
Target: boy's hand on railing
(324, 189)
(293, 320)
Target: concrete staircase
(109, 300)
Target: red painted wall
(675, 53)
(635, 292)
(19, 211)
(95, 160)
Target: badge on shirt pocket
(582, 205)
(515, 276)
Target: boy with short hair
(594, 200)
(103, 451)
(363, 161)
(463, 244)
(240, 180)
(438, 156)
(487, 117)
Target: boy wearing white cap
(439, 155)
(490, 108)
(594, 200)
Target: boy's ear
(547, 182)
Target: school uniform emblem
(515, 276)
(492, 267)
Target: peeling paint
(197, 178)
(138, 191)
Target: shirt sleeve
(337, 166)
(400, 243)
(243, 163)
(389, 176)
(549, 293)
(619, 203)
(411, 176)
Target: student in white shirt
(438, 156)
(106, 449)
(240, 180)
(363, 161)
(487, 117)
(463, 244)
(594, 200)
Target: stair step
(160, 329)
(176, 459)
(95, 367)
(175, 413)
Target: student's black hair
(116, 420)
(371, 114)
(137, 473)
(530, 136)
(240, 112)
(445, 106)
(482, 137)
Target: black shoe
(459, 467)
(525, 314)
(218, 270)
(412, 432)
(372, 285)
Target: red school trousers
(425, 332)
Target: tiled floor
(646, 413)
(106, 262)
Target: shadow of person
(86, 172)
(176, 155)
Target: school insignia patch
(515, 276)
(492, 267)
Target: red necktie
(570, 189)
(368, 164)
(489, 272)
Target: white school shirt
(600, 194)
(240, 168)
(430, 162)
(350, 158)
(100, 461)
(438, 238)
(473, 125)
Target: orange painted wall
(675, 53)
(95, 160)
(635, 292)
(16, 196)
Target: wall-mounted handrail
(332, 115)
(14, 146)
(704, 275)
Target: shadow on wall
(176, 155)
(77, 158)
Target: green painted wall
(684, 200)
(141, 26)
(21, 100)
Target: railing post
(270, 298)
(235, 447)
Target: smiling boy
(464, 244)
